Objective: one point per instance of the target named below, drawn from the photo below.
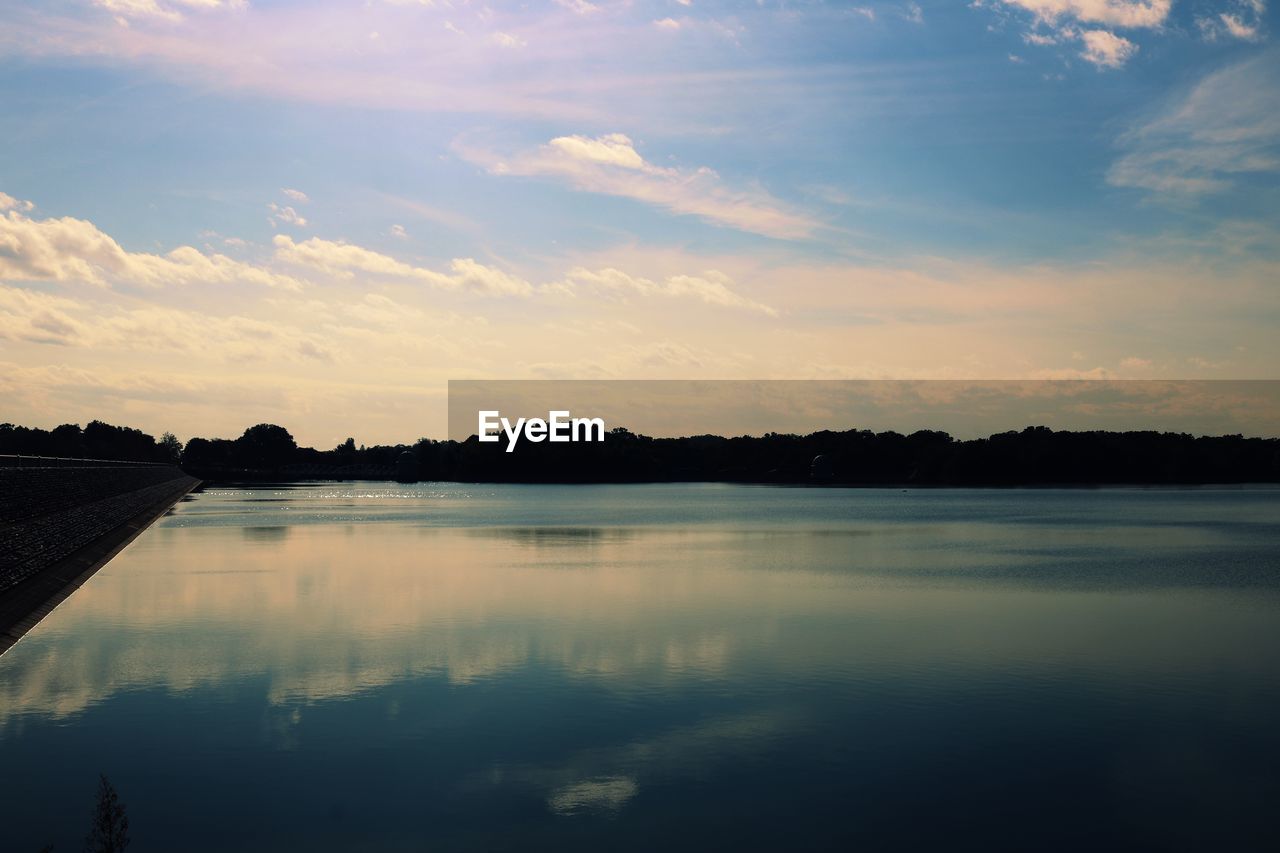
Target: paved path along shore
(59, 525)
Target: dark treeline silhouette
(96, 441)
(1033, 456)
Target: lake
(372, 666)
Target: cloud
(613, 149)
(8, 202)
(507, 40)
(913, 13)
(344, 260)
(287, 51)
(711, 287)
(1106, 50)
(75, 250)
(296, 195)
(1227, 126)
(610, 165)
(578, 7)
(37, 317)
(1083, 21)
(43, 318)
(667, 23)
(1243, 22)
(398, 232)
(1144, 14)
(284, 215)
(168, 11)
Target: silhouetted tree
(265, 446)
(109, 832)
(171, 448)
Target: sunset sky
(214, 214)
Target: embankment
(59, 525)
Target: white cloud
(1228, 125)
(507, 40)
(285, 215)
(398, 232)
(169, 11)
(1083, 21)
(613, 148)
(1105, 49)
(1243, 21)
(711, 287)
(914, 13)
(344, 260)
(75, 250)
(8, 202)
(37, 317)
(610, 165)
(296, 195)
(1144, 14)
(1238, 28)
(43, 318)
(1040, 39)
(578, 7)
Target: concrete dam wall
(58, 525)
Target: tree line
(1035, 455)
(98, 440)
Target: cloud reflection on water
(331, 611)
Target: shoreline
(24, 605)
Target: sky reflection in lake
(397, 667)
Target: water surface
(378, 667)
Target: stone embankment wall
(47, 514)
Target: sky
(215, 214)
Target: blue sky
(315, 213)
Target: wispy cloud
(285, 215)
(168, 10)
(611, 165)
(344, 260)
(1242, 20)
(507, 40)
(1227, 126)
(711, 287)
(579, 7)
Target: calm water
(435, 667)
